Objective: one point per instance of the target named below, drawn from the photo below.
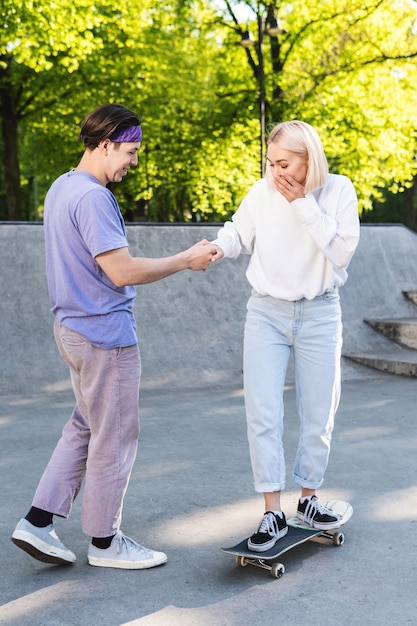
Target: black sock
(39, 517)
(102, 542)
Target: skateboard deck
(298, 533)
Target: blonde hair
(303, 140)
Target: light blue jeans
(99, 442)
(313, 330)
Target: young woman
(300, 225)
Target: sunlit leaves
(37, 32)
(345, 66)
(348, 68)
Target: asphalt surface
(191, 493)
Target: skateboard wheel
(338, 539)
(277, 570)
(241, 561)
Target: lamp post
(247, 41)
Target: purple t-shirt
(81, 220)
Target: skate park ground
(191, 489)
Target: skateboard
(298, 533)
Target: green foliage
(350, 74)
(189, 91)
(348, 68)
(343, 66)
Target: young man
(91, 277)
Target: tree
(195, 120)
(347, 68)
(171, 69)
(344, 67)
(62, 34)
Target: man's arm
(123, 269)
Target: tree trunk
(410, 196)
(9, 117)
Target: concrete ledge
(400, 361)
(401, 330)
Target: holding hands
(201, 254)
(217, 253)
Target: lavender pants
(99, 442)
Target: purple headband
(131, 134)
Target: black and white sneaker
(271, 528)
(316, 515)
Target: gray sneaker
(42, 543)
(124, 553)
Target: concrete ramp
(190, 325)
(382, 273)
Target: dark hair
(104, 121)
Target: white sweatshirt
(299, 249)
